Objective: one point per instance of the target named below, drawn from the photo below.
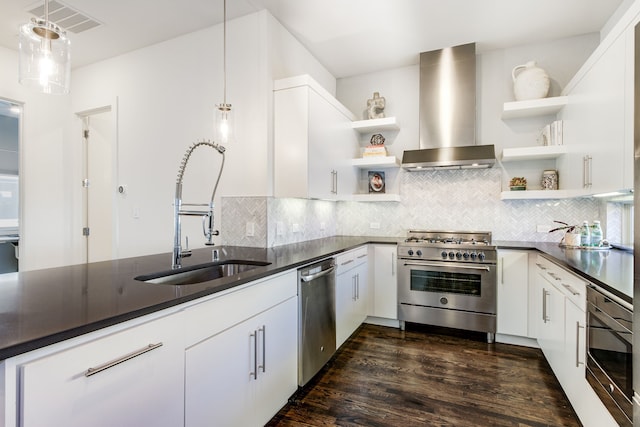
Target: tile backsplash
(443, 200)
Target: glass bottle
(585, 234)
(596, 234)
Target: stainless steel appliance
(448, 279)
(609, 353)
(448, 89)
(316, 317)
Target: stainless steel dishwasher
(316, 317)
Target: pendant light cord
(224, 51)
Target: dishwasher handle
(310, 277)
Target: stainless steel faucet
(206, 214)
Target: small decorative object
(571, 236)
(377, 139)
(375, 106)
(545, 135)
(518, 184)
(376, 182)
(532, 82)
(550, 180)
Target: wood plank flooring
(430, 377)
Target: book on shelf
(374, 151)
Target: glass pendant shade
(45, 57)
(223, 124)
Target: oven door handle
(442, 264)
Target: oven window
(612, 352)
(446, 282)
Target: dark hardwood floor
(430, 377)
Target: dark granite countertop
(611, 270)
(42, 307)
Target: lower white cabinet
(244, 375)
(241, 362)
(384, 282)
(134, 377)
(513, 293)
(561, 314)
(351, 292)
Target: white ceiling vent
(65, 17)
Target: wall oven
(448, 279)
(609, 353)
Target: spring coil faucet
(206, 214)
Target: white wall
(45, 155)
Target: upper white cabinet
(595, 124)
(314, 142)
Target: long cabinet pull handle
(571, 289)
(264, 347)
(393, 263)
(578, 362)
(114, 362)
(353, 288)
(358, 286)
(545, 318)
(502, 272)
(254, 374)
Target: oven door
(609, 361)
(456, 286)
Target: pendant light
(44, 56)
(223, 113)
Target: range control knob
(474, 255)
(444, 300)
(451, 255)
(410, 252)
(481, 256)
(465, 255)
(458, 255)
(444, 254)
(419, 252)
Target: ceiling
(349, 37)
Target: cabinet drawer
(572, 286)
(348, 260)
(132, 377)
(219, 313)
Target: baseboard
(382, 321)
(515, 340)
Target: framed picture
(376, 182)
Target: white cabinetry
(134, 377)
(594, 124)
(562, 338)
(383, 285)
(513, 293)
(313, 142)
(351, 292)
(241, 362)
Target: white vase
(572, 239)
(530, 81)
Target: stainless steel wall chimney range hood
(448, 113)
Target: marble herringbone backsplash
(442, 200)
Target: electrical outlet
(250, 229)
(374, 225)
(323, 226)
(279, 228)
(295, 227)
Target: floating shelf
(533, 153)
(373, 197)
(540, 194)
(376, 125)
(534, 107)
(376, 162)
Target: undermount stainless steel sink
(201, 272)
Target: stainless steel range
(448, 279)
